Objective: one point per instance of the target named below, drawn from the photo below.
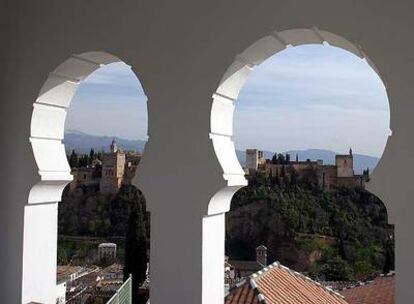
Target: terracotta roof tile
(244, 293)
(379, 291)
(277, 284)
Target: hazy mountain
(361, 161)
(82, 142)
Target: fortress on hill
(328, 176)
(116, 168)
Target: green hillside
(339, 235)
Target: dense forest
(99, 218)
(337, 235)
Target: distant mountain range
(82, 143)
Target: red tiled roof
(277, 284)
(243, 294)
(379, 291)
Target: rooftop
(379, 291)
(114, 268)
(277, 284)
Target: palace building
(328, 176)
(116, 168)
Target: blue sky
(110, 102)
(310, 96)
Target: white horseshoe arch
(48, 122)
(224, 98)
(46, 138)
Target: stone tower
(261, 255)
(254, 158)
(113, 169)
(345, 164)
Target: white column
(39, 253)
(213, 258)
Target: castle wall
(351, 182)
(273, 169)
(327, 177)
(304, 167)
(83, 177)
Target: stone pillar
(39, 253)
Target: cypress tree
(282, 172)
(274, 159)
(92, 156)
(294, 177)
(389, 263)
(73, 159)
(136, 246)
(281, 159)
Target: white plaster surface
(213, 253)
(39, 253)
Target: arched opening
(89, 167)
(343, 188)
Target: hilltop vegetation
(87, 212)
(339, 235)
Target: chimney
(261, 255)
